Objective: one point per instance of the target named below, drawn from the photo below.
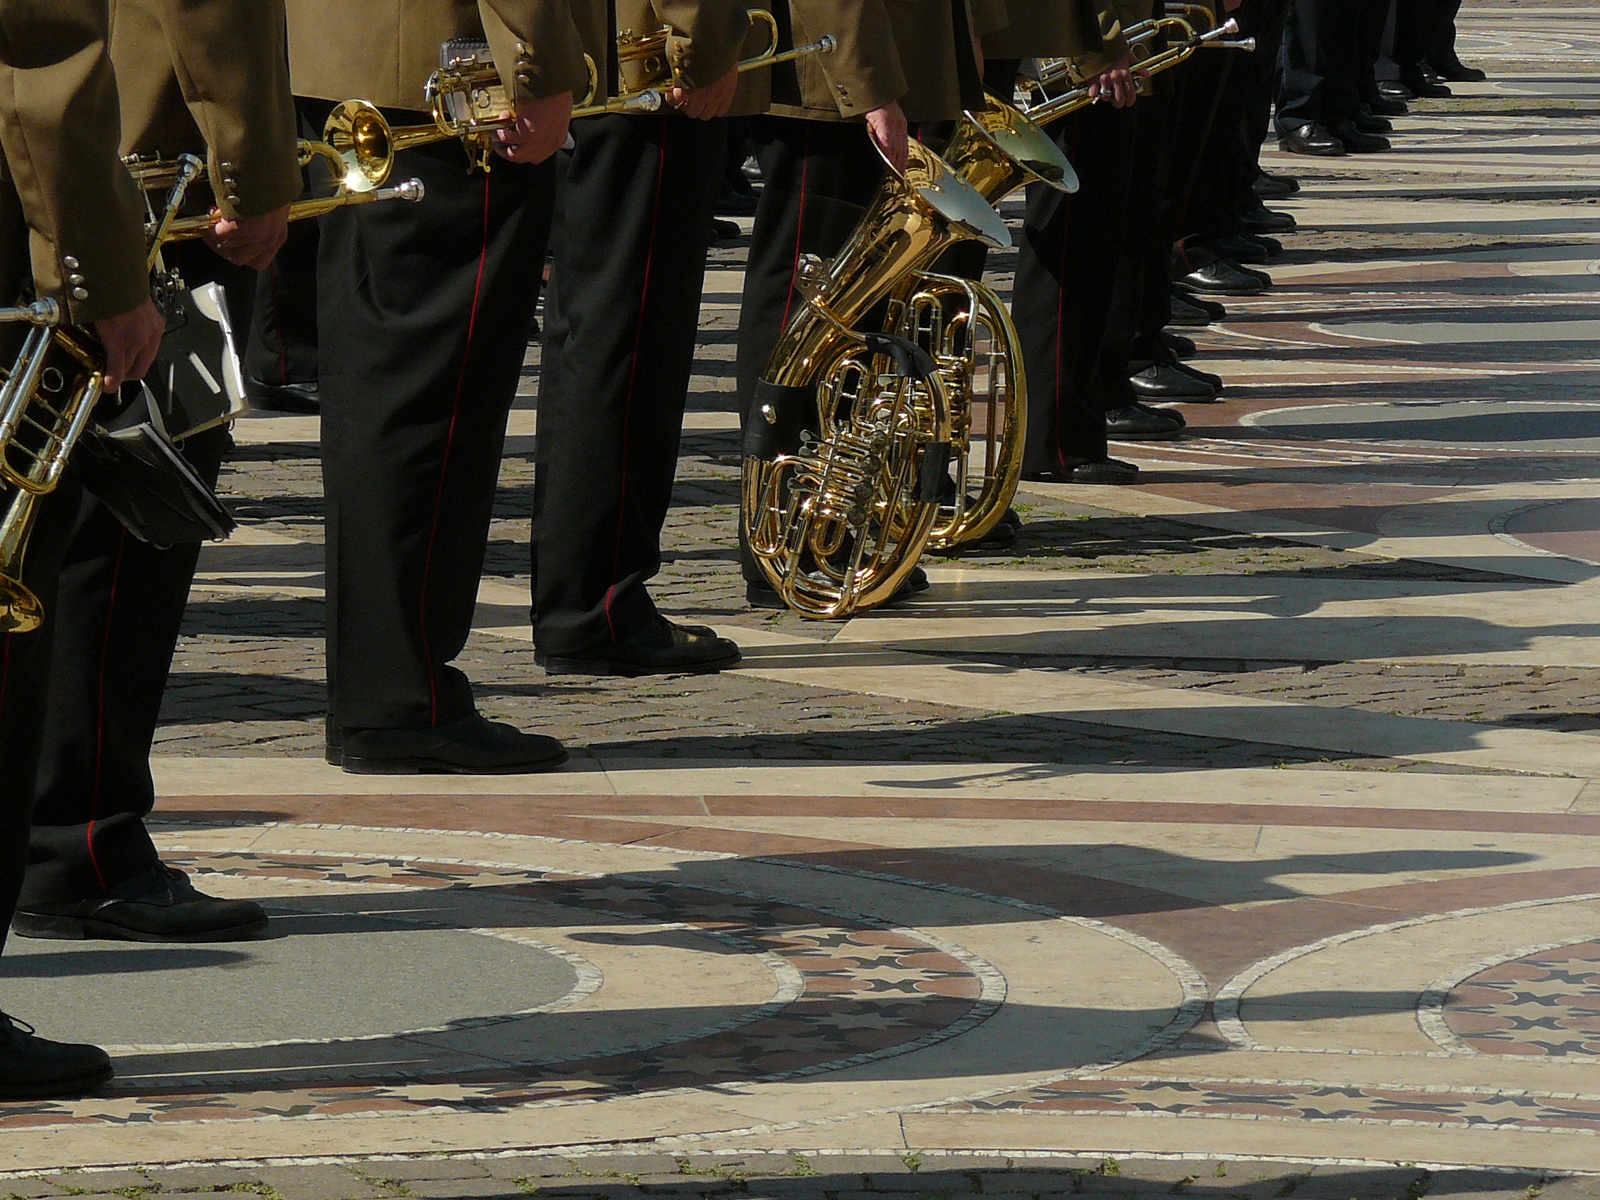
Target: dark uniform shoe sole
(440, 766)
(65, 928)
(470, 746)
(563, 664)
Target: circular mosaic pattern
(844, 990)
(1546, 1003)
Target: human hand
(1116, 84)
(707, 103)
(249, 241)
(540, 130)
(887, 128)
(131, 340)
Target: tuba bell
(846, 453)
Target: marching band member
(620, 325)
(424, 314)
(194, 76)
(71, 221)
(832, 123)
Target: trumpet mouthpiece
(1245, 44)
(827, 44)
(409, 190)
(1228, 26)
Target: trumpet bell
(364, 142)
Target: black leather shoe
(1310, 138)
(1170, 382)
(157, 905)
(35, 1068)
(1451, 68)
(470, 746)
(1214, 382)
(1236, 247)
(1370, 123)
(1380, 105)
(284, 397)
(1136, 423)
(1267, 220)
(1087, 470)
(1221, 278)
(1423, 83)
(1358, 142)
(1261, 276)
(660, 648)
(1187, 312)
(1270, 187)
(1181, 347)
(1393, 89)
(1270, 246)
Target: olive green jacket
(209, 77)
(70, 216)
(384, 50)
(916, 52)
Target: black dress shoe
(157, 905)
(1267, 220)
(1136, 423)
(283, 397)
(1310, 138)
(1380, 105)
(1181, 347)
(1369, 123)
(1422, 82)
(660, 648)
(35, 1068)
(1270, 188)
(1214, 382)
(1238, 248)
(1221, 278)
(1170, 382)
(1359, 142)
(1393, 89)
(1087, 470)
(1261, 276)
(470, 746)
(1451, 68)
(1270, 246)
(1187, 312)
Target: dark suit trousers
(1322, 61)
(116, 621)
(1066, 266)
(623, 309)
(24, 684)
(818, 177)
(424, 314)
(282, 346)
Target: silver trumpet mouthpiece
(409, 190)
(1228, 26)
(43, 313)
(827, 44)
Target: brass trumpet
(468, 101)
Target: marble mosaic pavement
(1245, 814)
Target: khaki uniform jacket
(384, 50)
(707, 38)
(916, 52)
(209, 77)
(70, 216)
(1088, 31)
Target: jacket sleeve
(988, 16)
(59, 132)
(706, 37)
(536, 45)
(864, 71)
(230, 57)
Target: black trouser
(24, 686)
(621, 317)
(282, 346)
(1322, 61)
(1066, 265)
(1424, 30)
(1144, 256)
(424, 315)
(116, 622)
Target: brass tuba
(847, 452)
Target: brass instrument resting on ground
(48, 394)
(847, 451)
(468, 101)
